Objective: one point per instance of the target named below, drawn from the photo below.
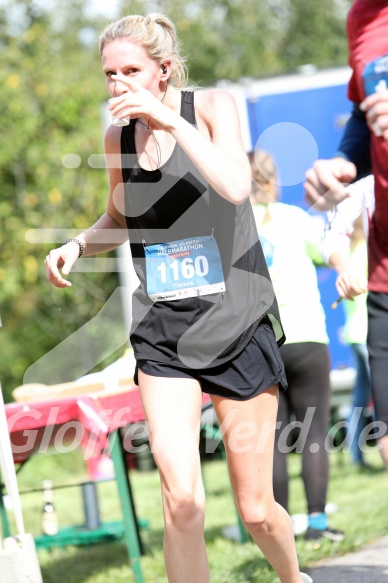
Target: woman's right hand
(62, 258)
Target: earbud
(164, 70)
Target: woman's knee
(183, 507)
(257, 516)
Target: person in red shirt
(364, 147)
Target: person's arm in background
(313, 229)
(336, 242)
(327, 180)
(348, 283)
(355, 143)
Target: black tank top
(173, 203)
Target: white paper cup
(115, 120)
(120, 122)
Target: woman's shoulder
(112, 148)
(112, 139)
(212, 97)
(213, 107)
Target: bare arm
(106, 234)
(336, 243)
(221, 159)
(348, 283)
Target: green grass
(362, 513)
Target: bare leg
(173, 410)
(383, 444)
(248, 431)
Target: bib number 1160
(186, 268)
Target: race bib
(375, 75)
(183, 269)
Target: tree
(232, 39)
(52, 92)
(315, 33)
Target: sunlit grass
(362, 512)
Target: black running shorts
(257, 368)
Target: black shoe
(330, 533)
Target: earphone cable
(157, 145)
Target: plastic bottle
(49, 515)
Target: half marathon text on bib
(183, 269)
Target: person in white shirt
(291, 243)
(344, 249)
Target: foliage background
(50, 107)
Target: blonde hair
(157, 35)
(264, 177)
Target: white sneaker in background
(331, 508)
(299, 523)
